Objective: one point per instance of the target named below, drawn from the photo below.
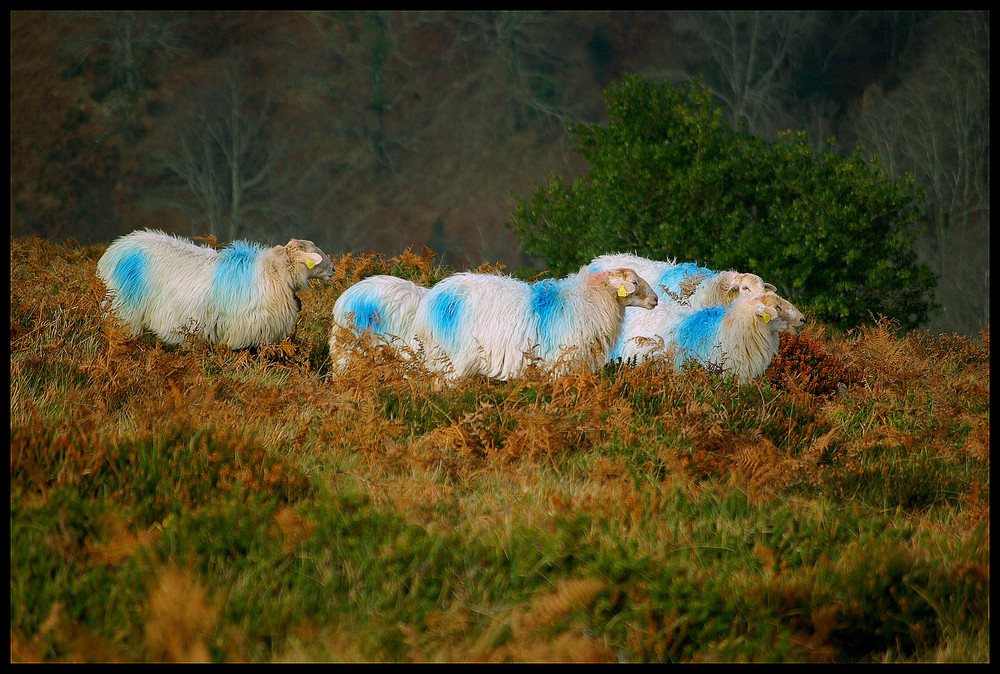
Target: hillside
(198, 504)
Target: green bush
(669, 179)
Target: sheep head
(737, 283)
(767, 308)
(745, 284)
(317, 264)
(793, 318)
(630, 289)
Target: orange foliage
(803, 364)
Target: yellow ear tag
(621, 291)
(767, 317)
(310, 264)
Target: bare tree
(515, 55)
(745, 60)
(125, 52)
(126, 43)
(226, 160)
(493, 74)
(936, 125)
(361, 79)
(503, 66)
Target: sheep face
(790, 315)
(630, 289)
(736, 283)
(317, 264)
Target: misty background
(382, 131)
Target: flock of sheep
(616, 307)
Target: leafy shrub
(670, 179)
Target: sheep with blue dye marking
(740, 338)
(242, 296)
(383, 306)
(699, 286)
(496, 325)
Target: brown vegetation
(483, 459)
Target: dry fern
(179, 616)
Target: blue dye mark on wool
(445, 311)
(129, 278)
(547, 304)
(672, 278)
(234, 284)
(366, 314)
(697, 333)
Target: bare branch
(227, 158)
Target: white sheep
(740, 338)
(495, 325)
(384, 306)
(699, 286)
(243, 295)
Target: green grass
(193, 503)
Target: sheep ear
(765, 313)
(626, 282)
(770, 288)
(310, 259)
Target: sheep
(698, 286)
(242, 296)
(495, 325)
(741, 338)
(384, 306)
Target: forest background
(383, 131)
